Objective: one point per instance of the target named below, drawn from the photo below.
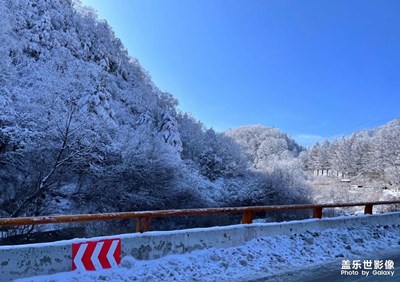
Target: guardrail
(247, 218)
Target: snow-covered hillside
(84, 129)
(265, 145)
(367, 155)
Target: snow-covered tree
(265, 145)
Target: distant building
(328, 172)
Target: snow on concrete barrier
(46, 258)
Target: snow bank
(256, 258)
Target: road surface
(331, 272)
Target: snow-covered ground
(258, 258)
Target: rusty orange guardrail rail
(247, 218)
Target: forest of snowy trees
(369, 154)
(83, 129)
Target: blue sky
(311, 68)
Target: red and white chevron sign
(96, 255)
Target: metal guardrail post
(368, 209)
(317, 212)
(247, 217)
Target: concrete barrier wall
(46, 258)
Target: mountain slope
(84, 129)
(265, 145)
